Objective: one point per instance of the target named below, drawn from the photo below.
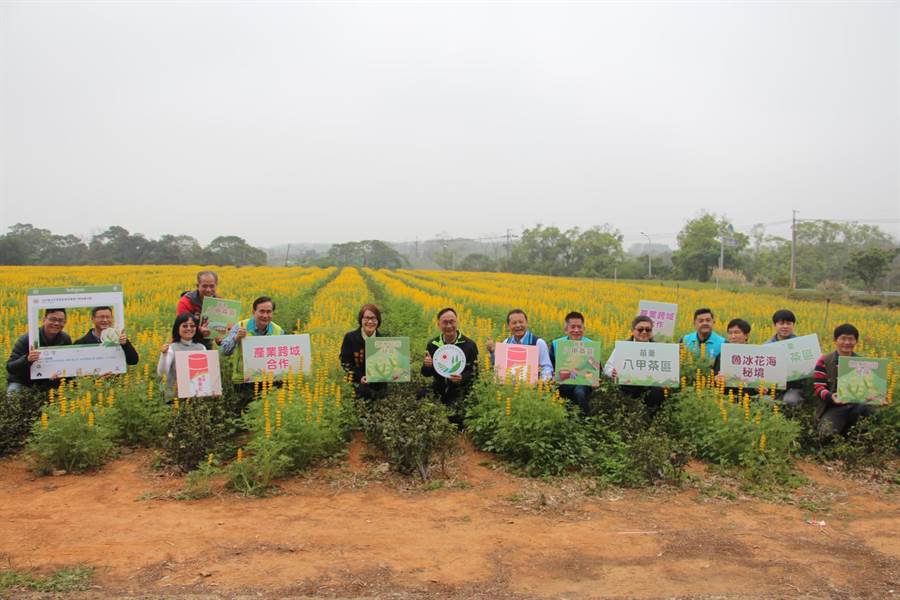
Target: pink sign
(516, 362)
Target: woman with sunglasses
(641, 331)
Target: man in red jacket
(192, 301)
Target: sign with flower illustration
(577, 362)
(862, 380)
(387, 359)
(516, 362)
(449, 360)
(73, 361)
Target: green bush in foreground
(72, 437)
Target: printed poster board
(387, 359)
(647, 364)
(449, 360)
(275, 355)
(862, 380)
(197, 373)
(750, 364)
(578, 361)
(663, 314)
(219, 315)
(802, 353)
(516, 362)
(73, 361)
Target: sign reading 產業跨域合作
(663, 314)
(387, 359)
(275, 355)
(73, 361)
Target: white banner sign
(663, 315)
(647, 364)
(802, 353)
(275, 355)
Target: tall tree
(233, 250)
(699, 245)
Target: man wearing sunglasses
(18, 366)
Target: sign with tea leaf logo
(387, 359)
(449, 360)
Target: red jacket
(190, 302)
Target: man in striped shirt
(833, 416)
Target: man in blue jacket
(704, 342)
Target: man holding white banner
(259, 324)
(18, 366)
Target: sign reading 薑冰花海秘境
(754, 365)
(664, 315)
(74, 361)
(275, 355)
(647, 364)
(577, 362)
(862, 380)
(387, 359)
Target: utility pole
(794, 250)
(508, 234)
(649, 257)
(287, 253)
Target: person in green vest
(259, 324)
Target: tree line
(28, 245)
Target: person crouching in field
(703, 342)
(353, 353)
(18, 365)
(451, 391)
(578, 394)
(517, 321)
(738, 331)
(185, 336)
(833, 417)
(784, 321)
(641, 331)
(102, 318)
(259, 324)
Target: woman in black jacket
(353, 352)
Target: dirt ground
(353, 531)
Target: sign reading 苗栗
(646, 364)
(754, 364)
(275, 355)
(387, 359)
(862, 380)
(801, 353)
(73, 361)
(663, 314)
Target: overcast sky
(330, 122)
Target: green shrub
(254, 474)
(77, 439)
(138, 419)
(17, 415)
(872, 443)
(409, 430)
(198, 427)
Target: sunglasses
(643, 329)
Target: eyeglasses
(56, 320)
(370, 319)
(643, 329)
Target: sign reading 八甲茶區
(646, 364)
(663, 314)
(754, 364)
(387, 359)
(801, 353)
(275, 355)
(72, 361)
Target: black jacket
(353, 359)
(131, 355)
(18, 369)
(449, 392)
